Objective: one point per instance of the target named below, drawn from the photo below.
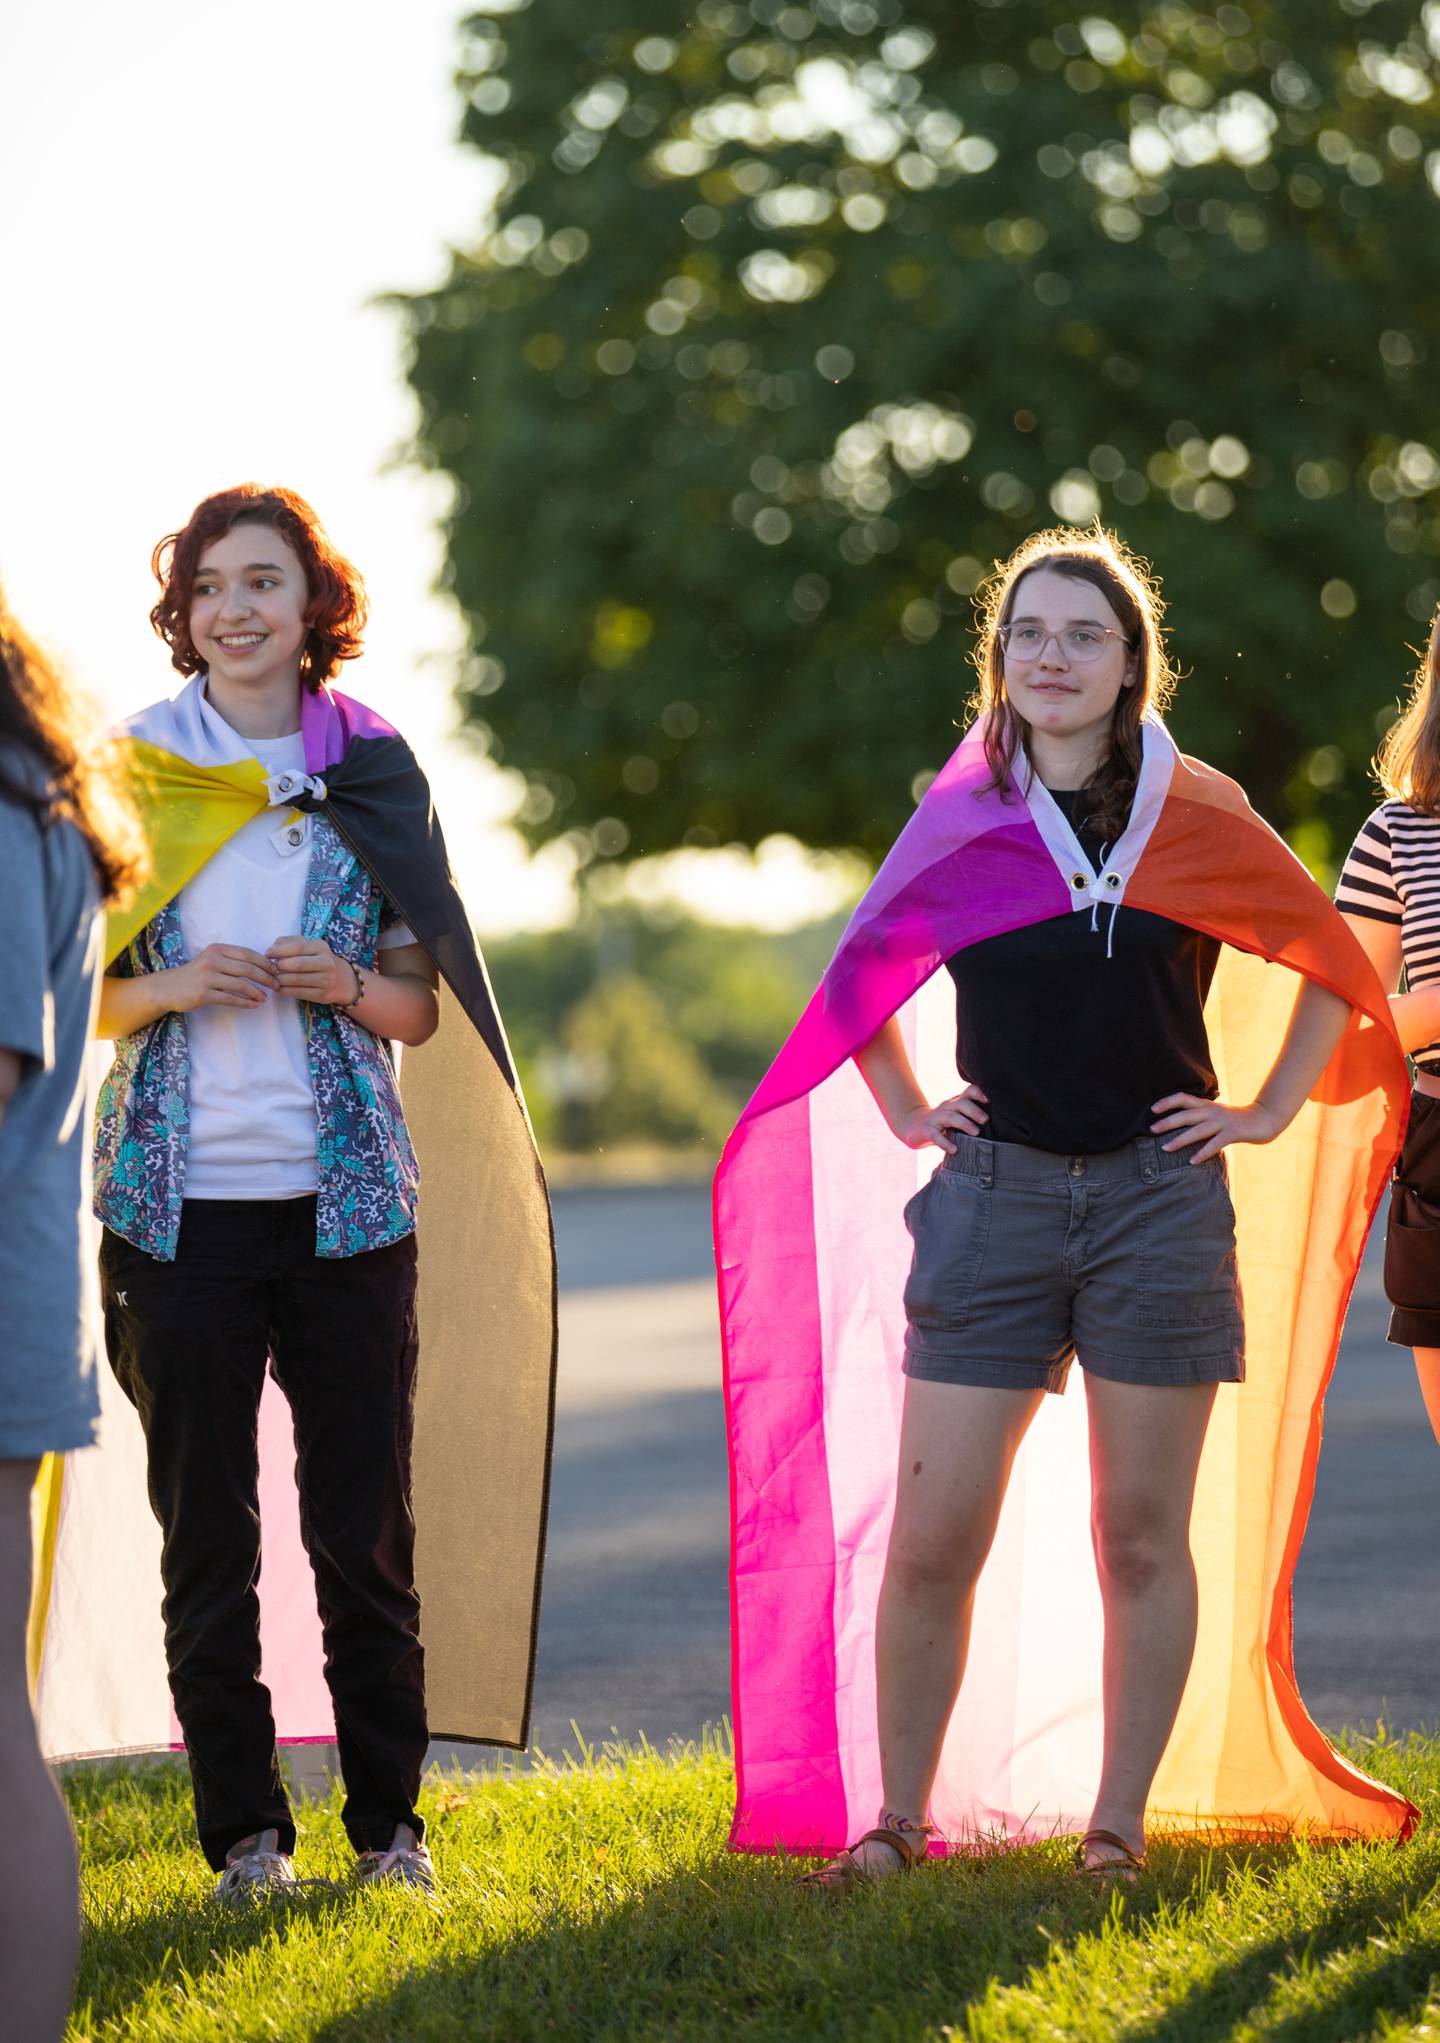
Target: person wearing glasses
(1082, 1171)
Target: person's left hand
(308, 969)
(1186, 1120)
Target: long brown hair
(335, 614)
(1129, 586)
(82, 776)
(1407, 765)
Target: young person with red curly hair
(257, 1185)
(265, 1242)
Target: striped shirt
(1393, 875)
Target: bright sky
(200, 202)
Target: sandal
(844, 1873)
(1126, 1868)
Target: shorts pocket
(1412, 1251)
(949, 1220)
(1188, 1276)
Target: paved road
(634, 1632)
(1367, 1591)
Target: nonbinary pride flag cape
(812, 1257)
(485, 1392)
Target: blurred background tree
(648, 1028)
(792, 317)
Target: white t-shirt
(252, 1108)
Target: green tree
(673, 1063)
(795, 316)
(634, 1077)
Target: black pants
(188, 1342)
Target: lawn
(598, 1901)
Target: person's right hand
(222, 975)
(925, 1127)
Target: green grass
(599, 1902)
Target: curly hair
(83, 777)
(336, 613)
(1129, 586)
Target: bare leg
(39, 1909)
(957, 1446)
(1427, 1368)
(1145, 1443)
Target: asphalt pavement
(1367, 1590)
(634, 1632)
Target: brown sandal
(1126, 1868)
(843, 1874)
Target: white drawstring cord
(1114, 907)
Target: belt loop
(986, 1162)
(1148, 1157)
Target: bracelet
(344, 1006)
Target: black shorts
(1412, 1236)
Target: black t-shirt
(1073, 1046)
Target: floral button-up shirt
(368, 1177)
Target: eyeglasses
(1078, 642)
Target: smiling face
(248, 606)
(1060, 696)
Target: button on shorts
(1024, 1259)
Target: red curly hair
(337, 610)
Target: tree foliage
(647, 1026)
(792, 318)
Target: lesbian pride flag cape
(485, 1390)
(812, 1256)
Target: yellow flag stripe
(45, 1536)
(188, 812)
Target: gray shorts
(1023, 1257)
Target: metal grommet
(1112, 879)
(295, 836)
(284, 784)
(1079, 882)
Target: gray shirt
(49, 990)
